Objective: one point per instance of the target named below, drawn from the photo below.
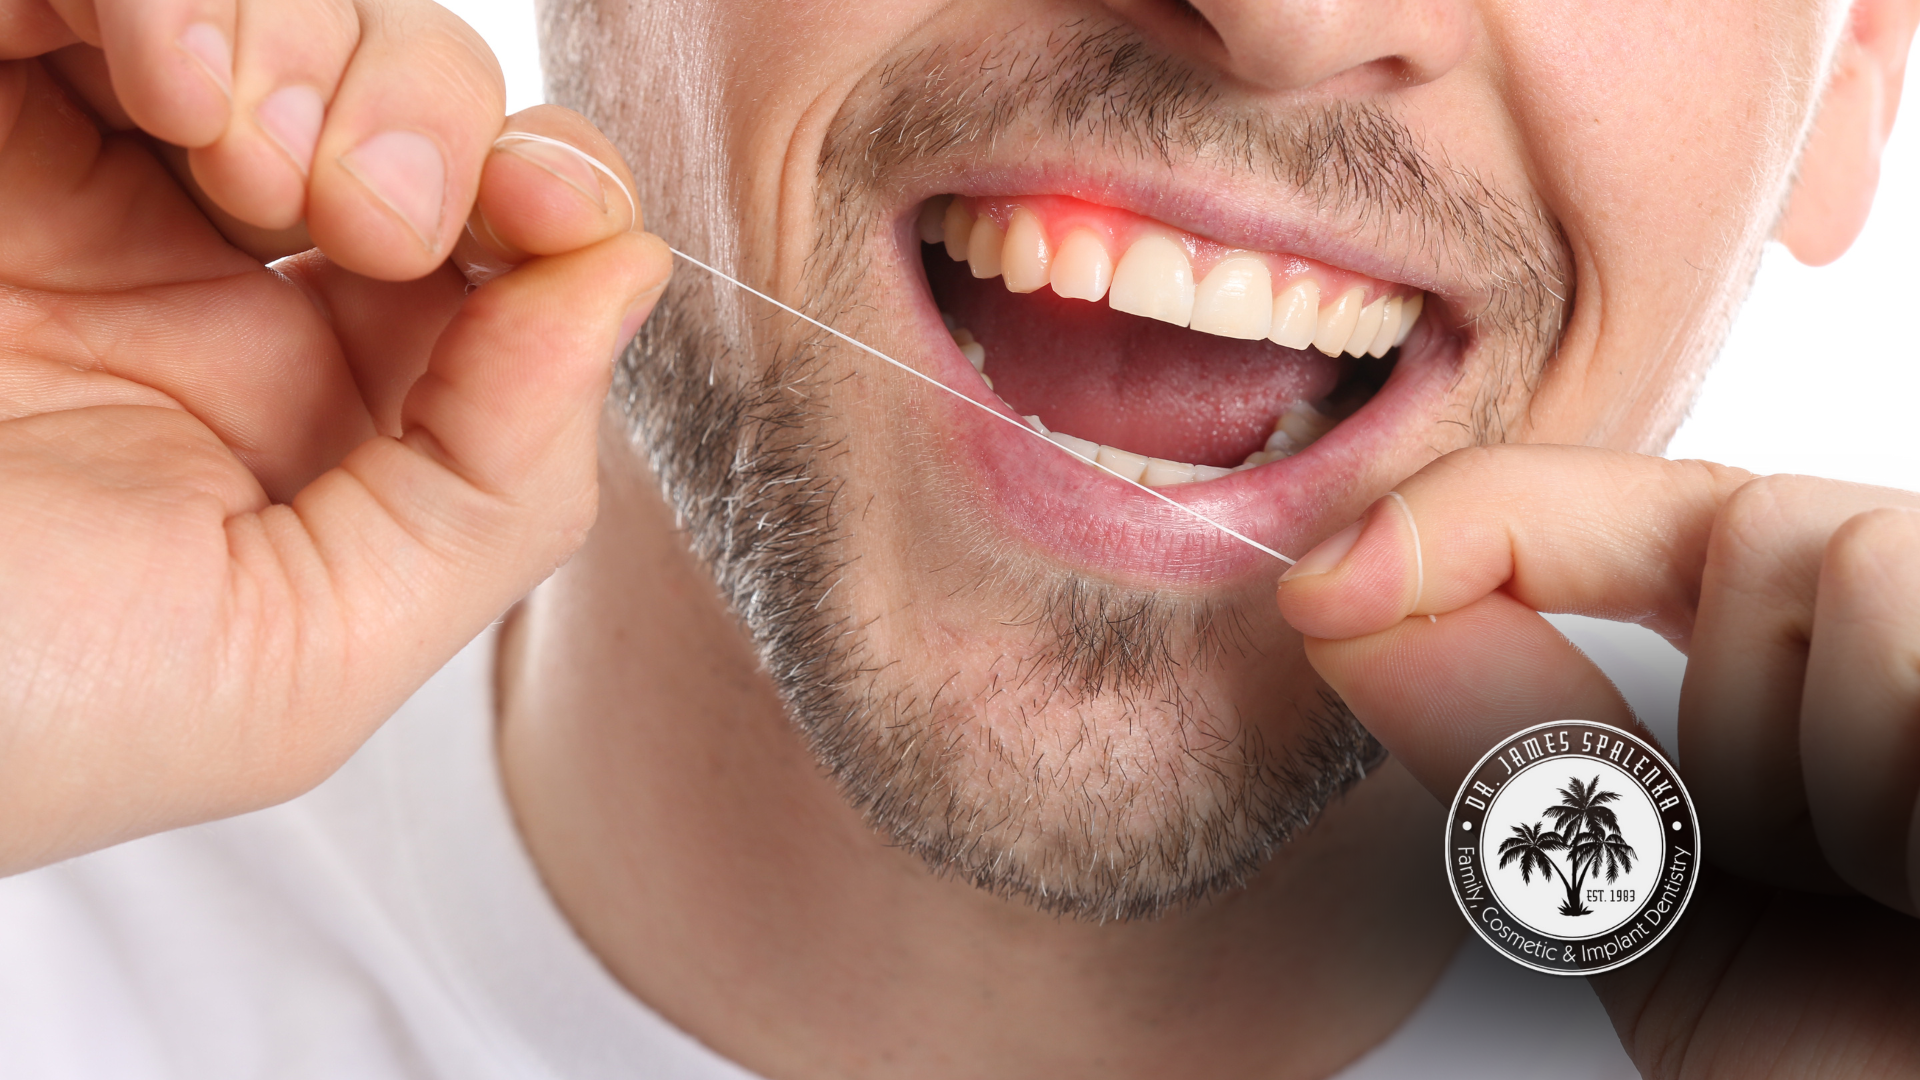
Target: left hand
(1797, 602)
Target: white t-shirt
(389, 924)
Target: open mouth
(1285, 347)
(1168, 358)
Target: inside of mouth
(1184, 385)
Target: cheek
(1671, 122)
(784, 70)
(1660, 136)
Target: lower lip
(1081, 515)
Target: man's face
(1027, 670)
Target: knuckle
(1887, 528)
(1459, 465)
(440, 44)
(1866, 544)
(1713, 476)
(1746, 528)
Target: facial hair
(1053, 807)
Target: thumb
(1438, 682)
(1440, 694)
(419, 542)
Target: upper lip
(1084, 516)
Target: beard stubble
(749, 458)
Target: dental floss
(1419, 563)
(633, 208)
(1184, 508)
(480, 269)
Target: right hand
(245, 511)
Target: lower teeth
(1293, 431)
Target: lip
(1085, 516)
(1092, 518)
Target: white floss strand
(1419, 563)
(633, 208)
(923, 377)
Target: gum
(1060, 215)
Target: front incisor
(1155, 280)
(1235, 300)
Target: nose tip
(1363, 45)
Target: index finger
(1563, 529)
(1487, 538)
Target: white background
(1821, 374)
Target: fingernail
(291, 116)
(569, 164)
(404, 170)
(1327, 555)
(208, 47)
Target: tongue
(1127, 382)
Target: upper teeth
(1154, 277)
(1293, 431)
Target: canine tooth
(1025, 256)
(1367, 327)
(1235, 300)
(976, 355)
(1034, 423)
(1410, 316)
(1122, 463)
(963, 336)
(933, 214)
(1085, 448)
(1281, 443)
(1337, 321)
(983, 248)
(1081, 269)
(954, 228)
(1259, 458)
(1209, 472)
(1163, 473)
(1296, 315)
(1389, 328)
(1154, 279)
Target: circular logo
(1573, 847)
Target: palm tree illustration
(1585, 829)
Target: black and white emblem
(1573, 847)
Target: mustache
(1103, 89)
